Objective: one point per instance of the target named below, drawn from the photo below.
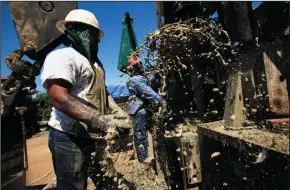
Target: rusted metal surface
(264, 75)
(35, 23)
(276, 61)
(283, 120)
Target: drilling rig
(245, 145)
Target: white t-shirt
(70, 65)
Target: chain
(24, 142)
(21, 112)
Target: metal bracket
(190, 159)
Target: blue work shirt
(141, 93)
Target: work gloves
(109, 125)
(120, 114)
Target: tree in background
(44, 108)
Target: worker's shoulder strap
(100, 65)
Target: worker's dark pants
(140, 134)
(72, 160)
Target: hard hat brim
(61, 26)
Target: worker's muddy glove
(102, 122)
(113, 131)
(120, 114)
(121, 124)
(108, 124)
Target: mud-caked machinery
(235, 132)
(35, 26)
(237, 135)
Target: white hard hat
(79, 16)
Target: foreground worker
(75, 80)
(141, 95)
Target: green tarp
(128, 41)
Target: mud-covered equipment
(35, 24)
(234, 130)
(128, 42)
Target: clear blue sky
(110, 16)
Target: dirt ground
(40, 169)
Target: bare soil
(141, 176)
(40, 168)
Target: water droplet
(215, 90)
(215, 154)
(214, 112)
(254, 110)
(233, 117)
(93, 154)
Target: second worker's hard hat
(133, 60)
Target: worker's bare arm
(58, 92)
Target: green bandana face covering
(83, 40)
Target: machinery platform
(243, 158)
